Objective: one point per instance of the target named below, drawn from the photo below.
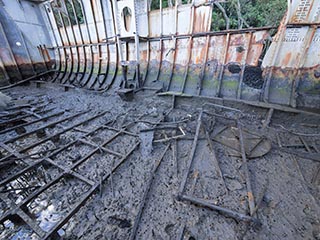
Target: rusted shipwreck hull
(90, 43)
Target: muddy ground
(285, 185)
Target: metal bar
(108, 50)
(191, 155)
(29, 123)
(80, 45)
(148, 60)
(101, 148)
(70, 49)
(88, 195)
(173, 63)
(305, 143)
(215, 160)
(26, 80)
(46, 8)
(5, 181)
(99, 46)
(203, 70)
(63, 71)
(33, 225)
(145, 195)
(227, 212)
(246, 170)
(243, 67)
(45, 126)
(70, 171)
(117, 48)
(268, 118)
(220, 79)
(189, 47)
(75, 40)
(60, 132)
(90, 41)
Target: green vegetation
(248, 13)
(237, 14)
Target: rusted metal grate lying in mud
(53, 165)
(53, 161)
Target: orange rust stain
(238, 40)
(286, 59)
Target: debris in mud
(87, 178)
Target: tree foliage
(237, 13)
(254, 13)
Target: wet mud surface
(67, 177)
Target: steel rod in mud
(32, 122)
(28, 220)
(55, 180)
(227, 212)
(26, 80)
(251, 103)
(44, 127)
(191, 155)
(54, 153)
(55, 135)
(246, 170)
(89, 194)
(214, 157)
(145, 195)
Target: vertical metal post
(83, 47)
(69, 47)
(243, 67)
(76, 47)
(175, 44)
(46, 8)
(90, 43)
(105, 74)
(189, 48)
(203, 70)
(98, 46)
(220, 79)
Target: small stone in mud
(121, 223)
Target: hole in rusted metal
(234, 68)
(127, 15)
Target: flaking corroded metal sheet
(304, 11)
(292, 63)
